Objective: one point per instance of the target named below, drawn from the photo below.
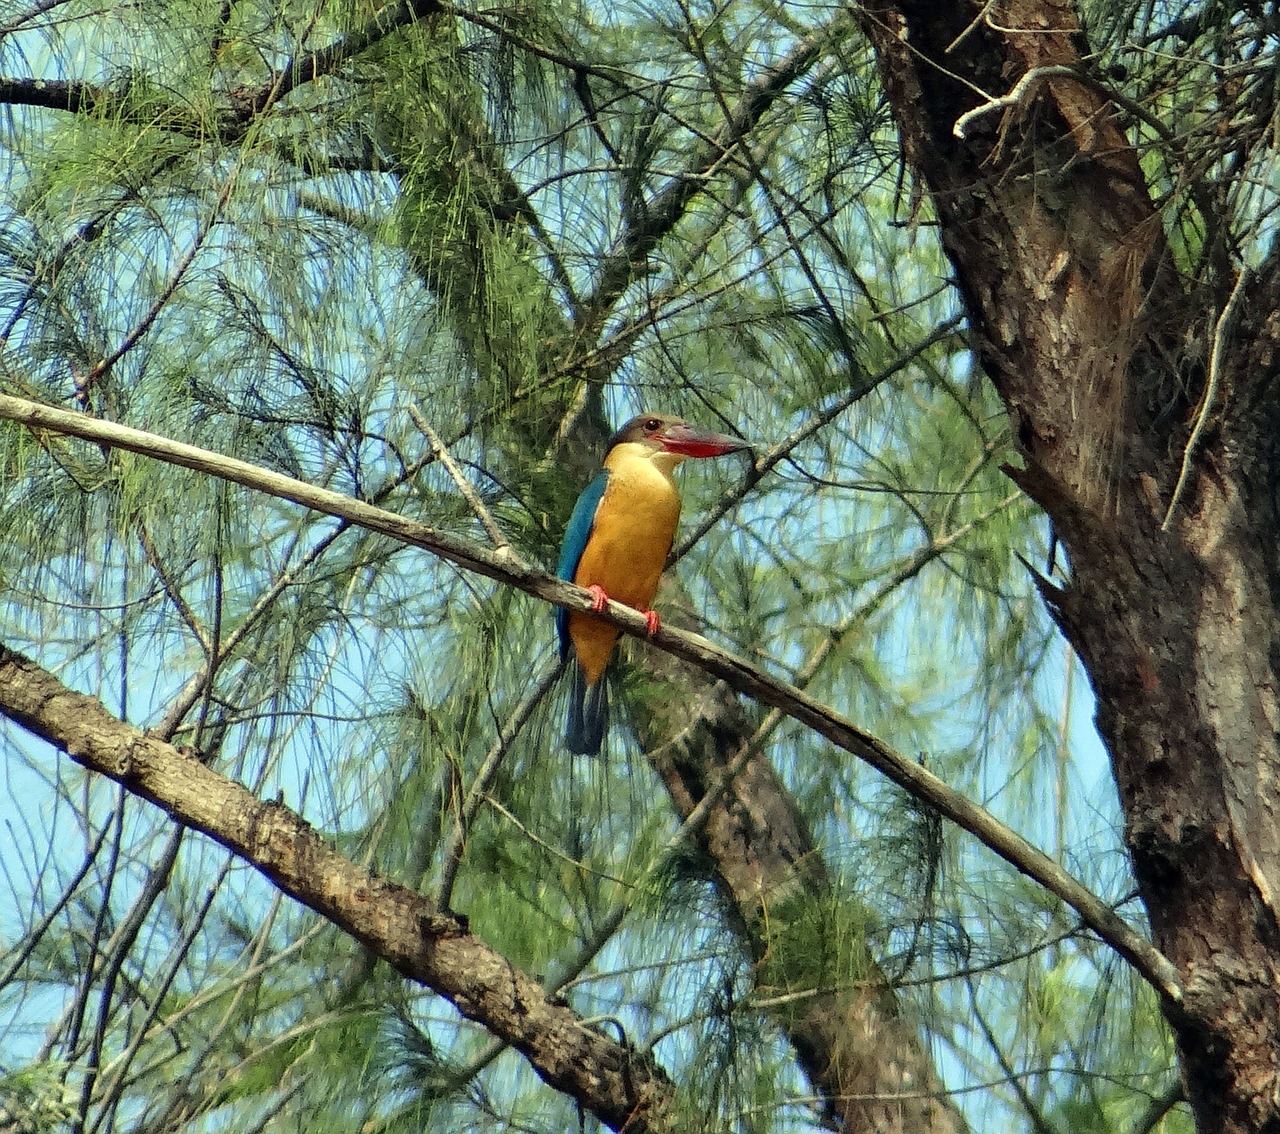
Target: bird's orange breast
(630, 540)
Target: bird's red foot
(599, 596)
(651, 622)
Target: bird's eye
(652, 425)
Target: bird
(616, 546)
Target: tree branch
(738, 674)
(324, 61)
(665, 210)
(624, 1088)
(78, 97)
(71, 95)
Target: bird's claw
(599, 596)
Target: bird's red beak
(690, 441)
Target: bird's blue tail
(588, 715)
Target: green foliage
(527, 222)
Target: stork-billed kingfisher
(616, 546)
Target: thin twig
(469, 493)
(484, 777)
(103, 365)
(32, 939)
(1021, 89)
(819, 419)
(979, 18)
(1220, 330)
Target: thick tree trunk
(1102, 357)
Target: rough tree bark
(1082, 324)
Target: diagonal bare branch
(624, 1088)
(735, 671)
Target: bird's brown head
(664, 433)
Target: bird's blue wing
(575, 543)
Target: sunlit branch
(740, 675)
(469, 494)
(1221, 328)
